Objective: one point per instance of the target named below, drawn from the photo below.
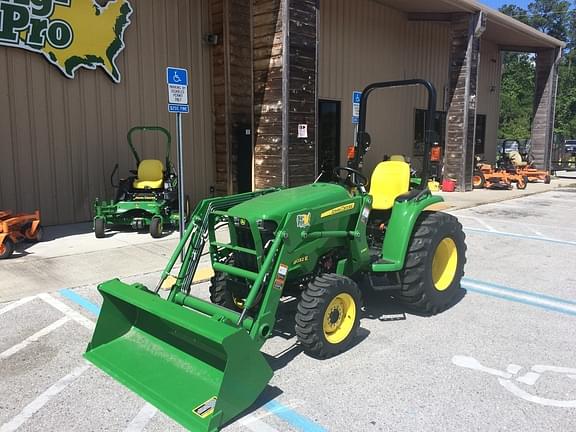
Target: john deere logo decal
(303, 220)
(69, 33)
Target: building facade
(271, 85)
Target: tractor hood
(274, 206)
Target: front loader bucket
(199, 371)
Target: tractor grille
(245, 240)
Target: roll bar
(363, 139)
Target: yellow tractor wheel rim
(339, 318)
(444, 264)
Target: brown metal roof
(500, 28)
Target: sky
(499, 3)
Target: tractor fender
(405, 213)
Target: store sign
(69, 33)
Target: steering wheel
(354, 177)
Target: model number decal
(337, 210)
(300, 260)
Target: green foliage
(516, 97)
(556, 18)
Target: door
(328, 137)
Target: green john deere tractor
(200, 361)
(148, 199)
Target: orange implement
(485, 176)
(18, 227)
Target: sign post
(356, 95)
(177, 80)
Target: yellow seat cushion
(389, 180)
(397, 157)
(150, 175)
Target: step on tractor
(486, 176)
(18, 227)
(148, 199)
(199, 361)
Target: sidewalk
(71, 256)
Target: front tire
(434, 263)
(478, 180)
(6, 248)
(547, 179)
(156, 227)
(222, 295)
(521, 184)
(328, 315)
(99, 227)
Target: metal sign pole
(177, 81)
(181, 209)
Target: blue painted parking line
(542, 301)
(520, 236)
(81, 301)
(292, 417)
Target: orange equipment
(436, 153)
(527, 169)
(485, 176)
(18, 227)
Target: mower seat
(150, 175)
(516, 159)
(389, 180)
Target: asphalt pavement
(502, 358)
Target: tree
(556, 18)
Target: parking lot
(502, 358)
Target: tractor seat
(516, 159)
(150, 175)
(389, 180)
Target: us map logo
(69, 33)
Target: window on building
(419, 127)
(328, 136)
(480, 134)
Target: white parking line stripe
(255, 424)
(538, 233)
(68, 311)
(141, 419)
(15, 304)
(481, 222)
(37, 404)
(33, 338)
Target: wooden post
(284, 91)
(465, 31)
(544, 103)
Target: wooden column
(232, 86)
(544, 104)
(465, 32)
(284, 64)
(302, 91)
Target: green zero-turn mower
(146, 200)
(200, 361)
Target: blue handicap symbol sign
(177, 76)
(356, 96)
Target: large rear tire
(328, 315)
(547, 179)
(434, 263)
